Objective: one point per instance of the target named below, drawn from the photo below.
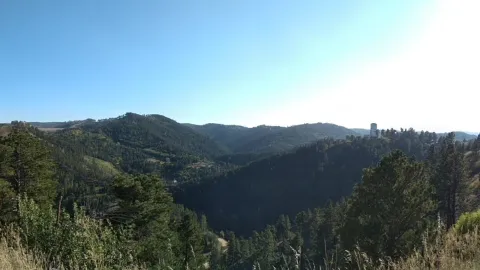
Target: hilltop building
(374, 130)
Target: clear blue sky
(194, 61)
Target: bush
(467, 222)
(78, 242)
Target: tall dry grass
(13, 256)
(448, 251)
(453, 251)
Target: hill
(154, 133)
(461, 136)
(361, 131)
(141, 144)
(269, 139)
(294, 136)
(253, 196)
(131, 143)
(232, 136)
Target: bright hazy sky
(404, 63)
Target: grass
(107, 167)
(448, 251)
(454, 251)
(14, 256)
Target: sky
(399, 63)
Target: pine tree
(204, 223)
(233, 252)
(284, 238)
(268, 247)
(144, 204)
(385, 213)
(448, 179)
(191, 241)
(26, 164)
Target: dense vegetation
(137, 225)
(137, 144)
(155, 133)
(251, 197)
(270, 139)
(91, 196)
(400, 209)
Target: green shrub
(467, 222)
(78, 242)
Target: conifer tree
(448, 179)
(387, 210)
(191, 241)
(144, 204)
(26, 165)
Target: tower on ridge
(373, 130)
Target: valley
(239, 189)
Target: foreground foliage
(388, 212)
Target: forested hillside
(96, 187)
(76, 212)
(404, 211)
(233, 136)
(137, 144)
(251, 197)
(155, 133)
(182, 153)
(462, 136)
(270, 139)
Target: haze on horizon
(397, 63)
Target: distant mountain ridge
(361, 131)
(459, 135)
(209, 140)
(270, 139)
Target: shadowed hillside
(255, 195)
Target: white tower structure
(373, 130)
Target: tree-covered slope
(361, 131)
(460, 136)
(269, 139)
(61, 125)
(131, 143)
(291, 137)
(77, 149)
(156, 133)
(232, 136)
(251, 197)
